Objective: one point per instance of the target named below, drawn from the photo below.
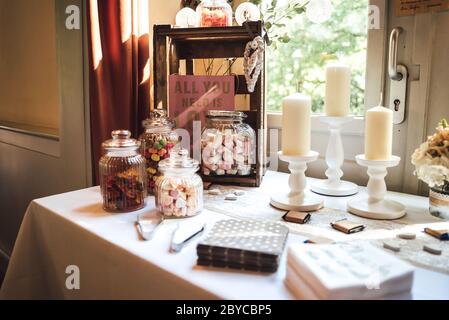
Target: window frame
(374, 78)
(352, 134)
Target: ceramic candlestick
(333, 186)
(297, 199)
(375, 206)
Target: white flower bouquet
(431, 159)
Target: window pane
(300, 63)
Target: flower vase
(439, 201)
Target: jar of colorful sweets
(122, 173)
(228, 145)
(179, 190)
(156, 142)
(214, 13)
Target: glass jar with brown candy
(122, 173)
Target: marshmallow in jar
(179, 190)
(227, 145)
(378, 133)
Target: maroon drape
(119, 69)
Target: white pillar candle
(378, 133)
(338, 90)
(296, 112)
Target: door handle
(398, 74)
(393, 71)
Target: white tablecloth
(72, 229)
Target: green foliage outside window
(301, 49)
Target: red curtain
(119, 57)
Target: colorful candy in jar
(214, 13)
(123, 191)
(156, 148)
(122, 173)
(214, 17)
(157, 141)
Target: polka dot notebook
(249, 244)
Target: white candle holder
(375, 206)
(335, 157)
(297, 199)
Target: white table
(72, 229)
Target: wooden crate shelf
(171, 45)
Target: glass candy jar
(227, 145)
(214, 13)
(156, 142)
(179, 190)
(122, 173)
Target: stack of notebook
(249, 245)
(346, 271)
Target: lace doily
(255, 205)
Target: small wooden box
(171, 45)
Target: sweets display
(214, 13)
(227, 144)
(179, 190)
(123, 191)
(122, 173)
(157, 141)
(179, 198)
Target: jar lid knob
(121, 134)
(120, 139)
(179, 159)
(183, 153)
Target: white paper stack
(346, 271)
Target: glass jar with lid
(122, 173)
(179, 190)
(156, 142)
(227, 145)
(214, 13)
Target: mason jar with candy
(179, 190)
(214, 13)
(158, 139)
(122, 173)
(227, 145)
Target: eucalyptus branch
(273, 16)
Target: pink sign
(190, 97)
